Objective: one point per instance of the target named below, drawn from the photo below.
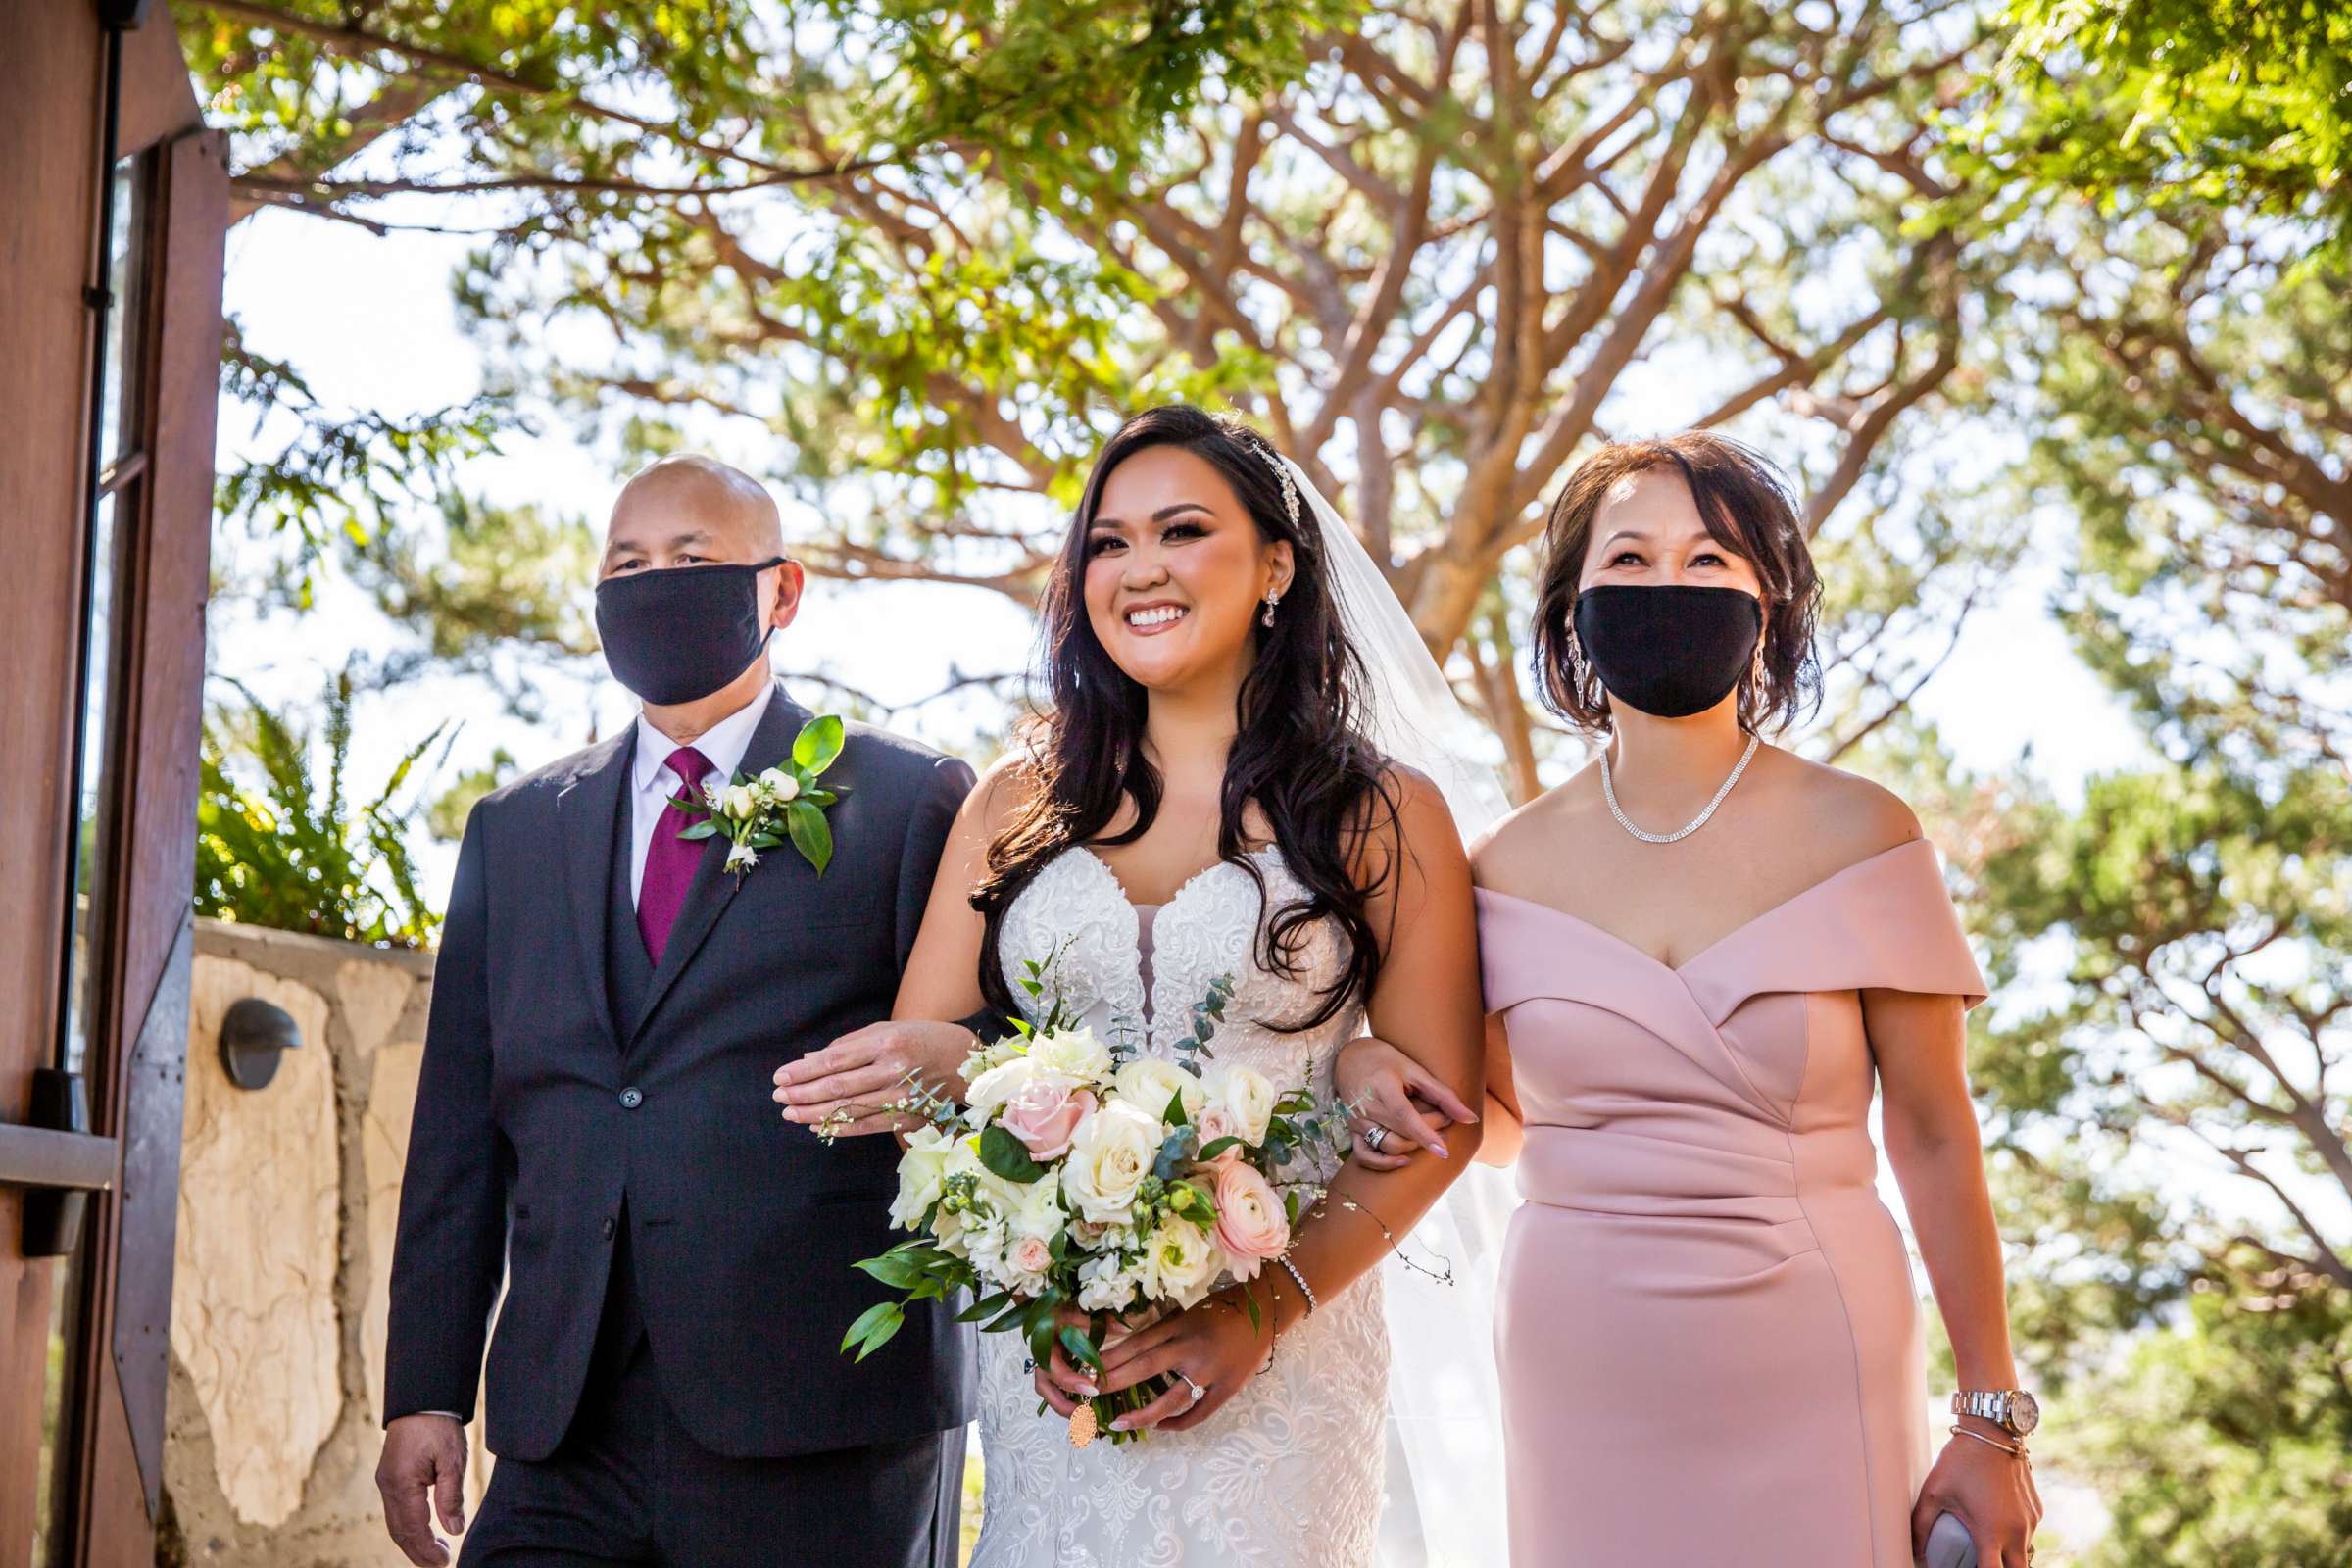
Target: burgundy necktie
(669, 861)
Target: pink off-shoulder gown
(1708, 1339)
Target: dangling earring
(1267, 619)
(1576, 661)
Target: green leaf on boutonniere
(701, 830)
(1006, 1155)
(811, 834)
(818, 743)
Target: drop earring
(1267, 619)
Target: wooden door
(115, 205)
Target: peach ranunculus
(1047, 1110)
(1251, 1226)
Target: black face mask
(1670, 650)
(676, 634)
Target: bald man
(593, 1121)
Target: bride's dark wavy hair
(1300, 754)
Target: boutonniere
(781, 803)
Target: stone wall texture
(288, 1199)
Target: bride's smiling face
(1177, 571)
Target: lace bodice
(1288, 1474)
(1076, 914)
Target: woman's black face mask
(1669, 651)
(676, 634)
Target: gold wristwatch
(2013, 1410)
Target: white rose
(922, 1171)
(780, 785)
(1037, 1211)
(1075, 1054)
(989, 1092)
(1180, 1262)
(1152, 1082)
(739, 800)
(1246, 1099)
(962, 1158)
(1109, 1157)
(986, 1056)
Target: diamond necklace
(1608, 788)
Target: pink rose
(1251, 1226)
(1045, 1113)
(1032, 1255)
(1216, 1122)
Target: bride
(1200, 800)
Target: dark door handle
(59, 1160)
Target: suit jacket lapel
(712, 888)
(585, 809)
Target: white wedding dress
(1288, 1474)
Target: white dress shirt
(653, 783)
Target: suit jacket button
(608, 1227)
(631, 1098)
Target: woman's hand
(1213, 1343)
(856, 1076)
(1387, 1090)
(1059, 1384)
(1991, 1492)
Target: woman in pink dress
(1698, 953)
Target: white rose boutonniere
(782, 803)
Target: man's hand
(423, 1454)
(846, 1085)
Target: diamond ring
(1198, 1393)
(1377, 1136)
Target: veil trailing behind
(1445, 1505)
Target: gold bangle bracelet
(2015, 1451)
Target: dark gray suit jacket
(543, 1121)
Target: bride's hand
(1213, 1343)
(1387, 1090)
(868, 1068)
(1059, 1384)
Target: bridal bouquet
(1080, 1176)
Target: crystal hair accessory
(1281, 472)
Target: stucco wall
(288, 1195)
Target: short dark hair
(1748, 508)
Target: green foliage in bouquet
(1156, 1238)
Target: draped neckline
(1801, 894)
